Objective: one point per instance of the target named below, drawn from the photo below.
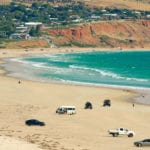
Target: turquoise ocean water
(109, 68)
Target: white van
(66, 110)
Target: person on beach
(19, 82)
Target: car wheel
(139, 145)
(130, 135)
(115, 135)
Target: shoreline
(67, 82)
(144, 91)
(32, 99)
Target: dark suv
(107, 102)
(88, 105)
(34, 122)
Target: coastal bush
(78, 44)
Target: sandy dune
(7, 143)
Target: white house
(32, 24)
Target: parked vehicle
(107, 102)
(88, 105)
(121, 131)
(66, 110)
(34, 122)
(145, 142)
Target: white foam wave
(102, 72)
(91, 71)
(135, 79)
(40, 65)
(108, 74)
(31, 64)
(19, 60)
(50, 69)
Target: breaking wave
(107, 73)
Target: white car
(70, 110)
(121, 131)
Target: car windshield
(146, 140)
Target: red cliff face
(104, 34)
(79, 34)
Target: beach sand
(7, 143)
(86, 130)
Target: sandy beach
(86, 130)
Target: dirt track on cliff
(125, 34)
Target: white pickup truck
(121, 131)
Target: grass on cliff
(76, 44)
(107, 41)
(128, 4)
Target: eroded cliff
(128, 34)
